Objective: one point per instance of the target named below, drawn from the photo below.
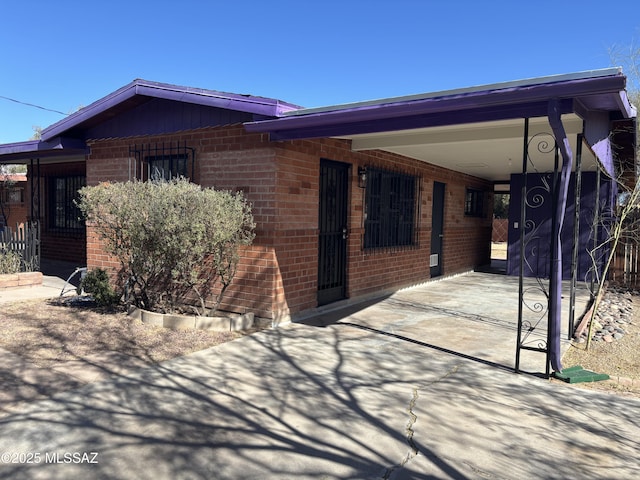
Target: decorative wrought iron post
(34, 174)
(576, 237)
(523, 213)
(35, 227)
(538, 198)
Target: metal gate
(332, 248)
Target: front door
(332, 248)
(437, 223)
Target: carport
(473, 316)
(552, 128)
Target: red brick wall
(228, 159)
(466, 239)
(277, 276)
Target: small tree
(175, 241)
(622, 223)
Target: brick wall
(277, 276)
(466, 241)
(228, 159)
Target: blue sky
(65, 54)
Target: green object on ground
(578, 374)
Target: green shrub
(96, 283)
(175, 240)
(10, 262)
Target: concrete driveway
(373, 394)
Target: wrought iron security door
(332, 248)
(437, 224)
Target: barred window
(64, 214)
(474, 203)
(166, 167)
(163, 161)
(15, 196)
(391, 209)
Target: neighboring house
(350, 201)
(13, 204)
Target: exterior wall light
(362, 177)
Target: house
(13, 205)
(351, 201)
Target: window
(474, 203)
(391, 205)
(64, 214)
(162, 161)
(166, 167)
(12, 195)
(15, 196)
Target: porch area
(472, 316)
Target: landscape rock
(614, 310)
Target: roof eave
(610, 81)
(23, 151)
(143, 88)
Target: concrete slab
(100, 366)
(385, 391)
(24, 382)
(473, 315)
(51, 288)
(334, 402)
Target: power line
(32, 105)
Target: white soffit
(490, 150)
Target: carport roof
(477, 130)
(596, 90)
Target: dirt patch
(47, 334)
(619, 359)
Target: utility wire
(32, 105)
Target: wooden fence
(625, 267)
(25, 241)
(500, 230)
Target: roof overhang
(56, 149)
(141, 91)
(476, 130)
(65, 140)
(600, 89)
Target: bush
(174, 240)
(10, 262)
(96, 283)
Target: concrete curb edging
(22, 279)
(219, 323)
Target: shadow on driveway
(369, 395)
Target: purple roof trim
(21, 151)
(595, 89)
(19, 147)
(143, 88)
